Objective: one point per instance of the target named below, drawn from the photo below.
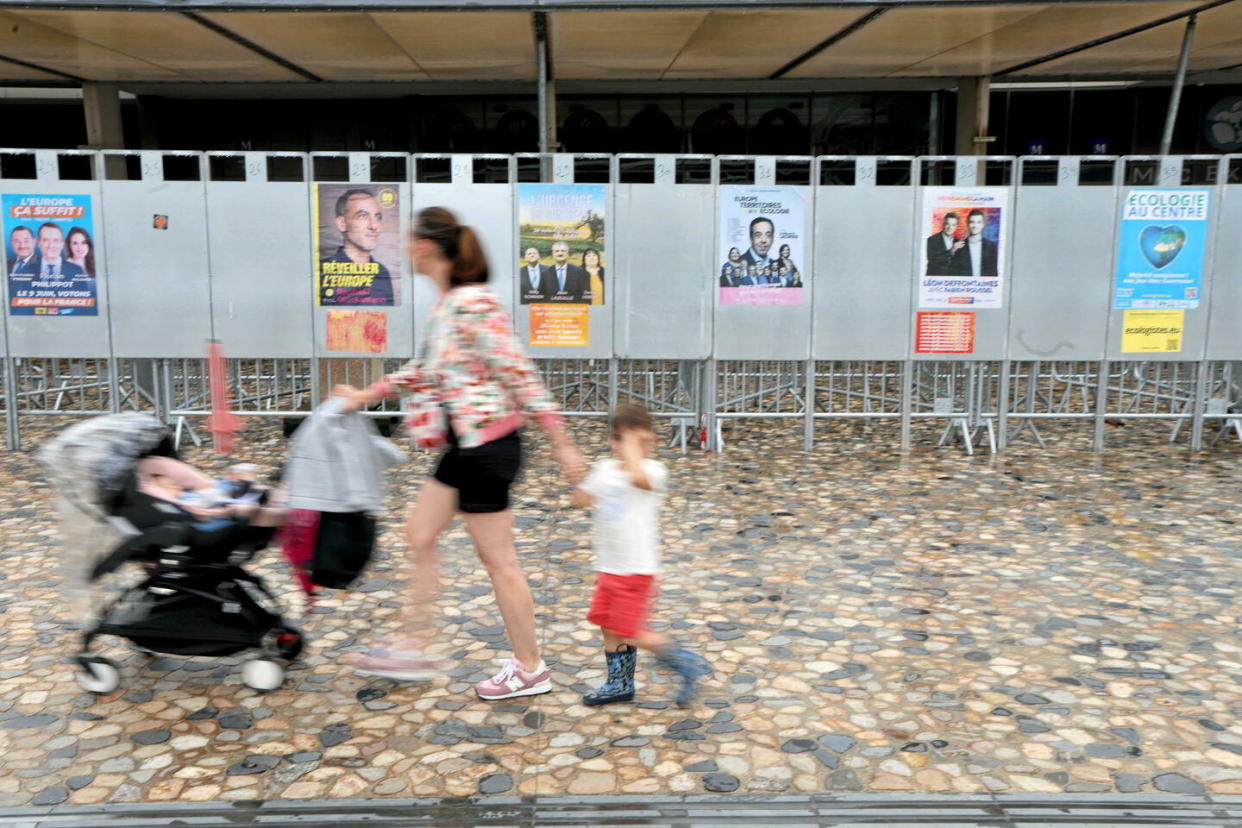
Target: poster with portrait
(562, 244)
(963, 244)
(49, 255)
(1160, 248)
(762, 257)
(357, 240)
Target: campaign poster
(1152, 331)
(560, 325)
(562, 244)
(1160, 249)
(357, 332)
(358, 245)
(762, 246)
(962, 259)
(944, 332)
(49, 255)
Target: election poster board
(962, 247)
(49, 255)
(1161, 242)
(357, 243)
(762, 257)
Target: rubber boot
(688, 666)
(620, 684)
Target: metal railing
(978, 403)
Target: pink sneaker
(396, 664)
(513, 681)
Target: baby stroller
(194, 597)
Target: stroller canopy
(90, 463)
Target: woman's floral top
(474, 368)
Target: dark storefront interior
(1025, 122)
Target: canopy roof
(139, 42)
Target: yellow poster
(357, 332)
(1152, 331)
(560, 325)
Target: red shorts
(620, 603)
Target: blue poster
(49, 255)
(1160, 249)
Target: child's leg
(647, 640)
(619, 685)
(689, 666)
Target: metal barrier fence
(979, 404)
(190, 246)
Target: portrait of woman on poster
(595, 274)
(793, 278)
(726, 276)
(81, 251)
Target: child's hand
(633, 446)
(573, 466)
(632, 450)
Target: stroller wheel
(99, 675)
(262, 674)
(289, 643)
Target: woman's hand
(354, 398)
(573, 466)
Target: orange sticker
(945, 332)
(560, 325)
(357, 332)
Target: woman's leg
(427, 518)
(493, 540)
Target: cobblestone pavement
(1052, 621)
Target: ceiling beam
(831, 41)
(499, 5)
(252, 46)
(1100, 41)
(38, 68)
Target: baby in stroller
(211, 504)
(120, 484)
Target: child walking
(626, 491)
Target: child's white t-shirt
(627, 518)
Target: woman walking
(470, 393)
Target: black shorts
(482, 476)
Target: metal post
(808, 423)
(1002, 405)
(1175, 98)
(907, 402)
(10, 403)
(166, 390)
(1101, 404)
(709, 404)
(614, 373)
(114, 384)
(1199, 406)
(314, 382)
(547, 96)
